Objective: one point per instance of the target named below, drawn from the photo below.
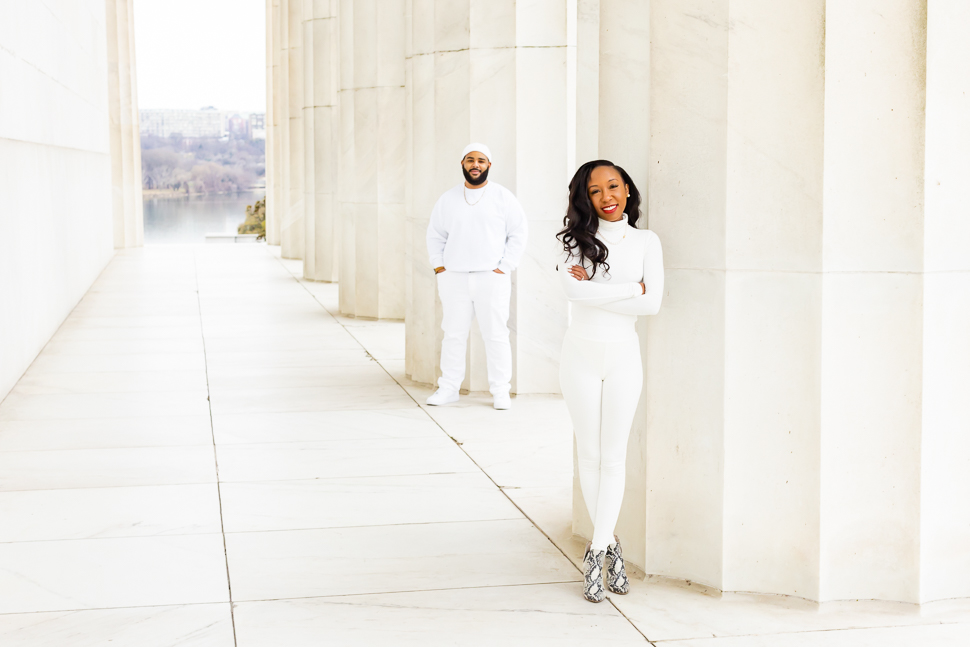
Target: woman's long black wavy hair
(578, 235)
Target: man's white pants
(486, 296)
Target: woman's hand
(643, 288)
(579, 273)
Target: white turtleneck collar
(612, 225)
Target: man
(476, 237)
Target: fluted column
(801, 429)
(872, 300)
(346, 182)
(497, 74)
(945, 443)
(722, 470)
(282, 112)
(292, 227)
(308, 141)
(321, 123)
(124, 136)
(375, 169)
(138, 226)
(613, 50)
(272, 155)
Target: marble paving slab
(113, 382)
(104, 573)
(191, 625)
(372, 501)
(61, 346)
(313, 398)
(117, 362)
(358, 375)
(381, 559)
(87, 513)
(81, 468)
(72, 331)
(385, 342)
(278, 359)
(534, 615)
(667, 610)
(102, 433)
(101, 321)
(77, 406)
(951, 635)
(309, 426)
(340, 458)
(323, 339)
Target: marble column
(346, 183)
(321, 131)
(292, 226)
(272, 156)
(730, 155)
(613, 49)
(872, 319)
(802, 429)
(124, 136)
(281, 98)
(308, 141)
(138, 226)
(376, 169)
(495, 72)
(945, 442)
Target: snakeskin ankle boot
(593, 574)
(616, 579)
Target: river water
(187, 219)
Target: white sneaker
(442, 396)
(502, 402)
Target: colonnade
(803, 428)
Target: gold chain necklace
(465, 195)
(611, 242)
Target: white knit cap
(477, 146)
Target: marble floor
(206, 453)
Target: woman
(611, 272)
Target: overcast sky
(195, 53)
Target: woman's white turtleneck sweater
(605, 308)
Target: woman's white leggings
(601, 382)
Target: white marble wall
(61, 102)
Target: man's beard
(475, 181)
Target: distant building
(238, 127)
(207, 122)
(257, 125)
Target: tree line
(201, 165)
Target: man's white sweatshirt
(477, 230)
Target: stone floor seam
(215, 451)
